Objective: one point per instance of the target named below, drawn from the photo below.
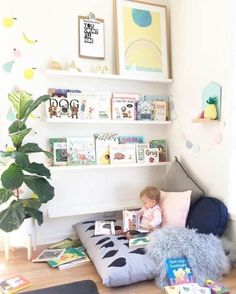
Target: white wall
(54, 25)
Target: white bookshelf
(121, 122)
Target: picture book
(131, 221)
(139, 242)
(69, 255)
(104, 105)
(159, 109)
(179, 271)
(144, 109)
(151, 155)
(193, 288)
(174, 289)
(48, 254)
(123, 108)
(74, 263)
(59, 153)
(131, 139)
(162, 147)
(104, 228)
(63, 155)
(216, 288)
(13, 284)
(81, 151)
(122, 153)
(102, 143)
(156, 111)
(140, 152)
(66, 243)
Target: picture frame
(142, 47)
(91, 37)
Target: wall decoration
(141, 39)
(29, 73)
(91, 37)
(29, 40)
(8, 22)
(16, 53)
(7, 67)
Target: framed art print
(142, 50)
(91, 38)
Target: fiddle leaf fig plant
(15, 207)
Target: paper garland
(215, 140)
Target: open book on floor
(139, 242)
(48, 254)
(104, 228)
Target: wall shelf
(204, 120)
(133, 122)
(106, 166)
(74, 73)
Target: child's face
(147, 202)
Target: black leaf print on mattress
(118, 262)
(126, 244)
(109, 244)
(110, 253)
(138, 251)
(88, 222)
(121, 238)
(102, 240)
(90, 228)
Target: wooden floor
(42, 276)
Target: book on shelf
(123, 108)
(104, 228)
(59, 156)
(160, 106)
(74, 263)
(48, 254)
(179, 271)
(122, 153)
(139, 242)
(132, 139)
(144, 109)
(140, 152)
(69, 255)
(151, 155)
(162, 147)
(81, 151)
(65, 243)
(102, 143)
(13, 284)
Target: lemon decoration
(210, 110)
(29, 73)
(8, 22)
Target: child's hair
(151, 192)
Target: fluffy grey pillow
(179, 180)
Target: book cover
(69, 255)
(193, 288)
(51, 142)
(159, 110)
(104, 105)
(59, 153)
(162, 147)
(140, 152)
(74, 263)
(102, 143)
(66, 243)
(157, 98)
(48, 254)
(13, 284)
(144, 109)
(139, 242)
(216, 288)
(104, 228)
(131, 220)
(81, 151)
(123, 108)
(131, 139)
(174, 289)
(151, 155)
(179, 271)
(122, 153)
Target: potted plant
(20, 170)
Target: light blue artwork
(212, 90)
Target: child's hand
(150, 228)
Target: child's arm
(157, 219)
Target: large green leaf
(21, 102)
(5, 194)
(37, 214)
(21, 159)
(40, 187)
(18, 137)
(12, 178)
(17, 126)
(33, 148)
(35, 104)
(38, 169)
(12, 217)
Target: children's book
(162, 147)
(104, 228)
(131, 221)
(123, 108)
(140, 152)
(160, 106)
(139, 242)
(102, 143)
(49, 254)
(151, 155)
(193, 288)
(69, 255)
(179, 271)
(63, 155)
(174, 289)
(59, 153)
(13, 284)
(131, 139)
(144, 109)
(74, 263)
(122, 153)
(216, 288)
(104, 105)
(66, 243)
(81, 151)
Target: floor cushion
(116, 263)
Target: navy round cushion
(208, 215)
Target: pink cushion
(175, 208)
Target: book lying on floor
(179, 271)
(13, 284)
(74, 263)
(48, 254)
(69, 255)
(190, 288)
(139, 242)
(66, 243)
(104, 228)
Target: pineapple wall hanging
(211, 103)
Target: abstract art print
(141, 40)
